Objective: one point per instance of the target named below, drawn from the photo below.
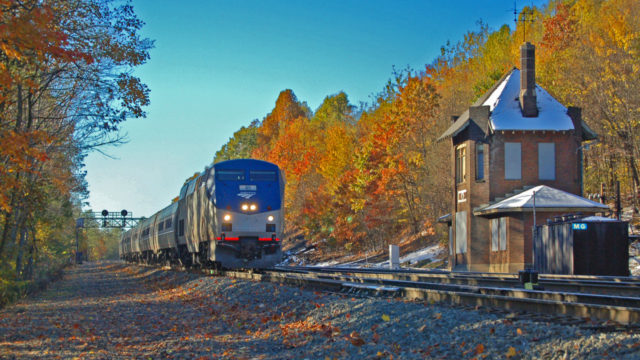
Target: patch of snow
(326, 263)
(428, 253)
(597, 218)
(634, 259)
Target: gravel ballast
(109, 310)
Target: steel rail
(615, 286)
(623, 310)
(619, 309)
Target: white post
(533, 233)
(534, 211)
(394, 257)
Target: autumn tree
(65, 68)
(287, 109)
(331, 133)
(591, 57)
(361, 181)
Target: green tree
(241, 145)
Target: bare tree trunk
(23, 240)
(19, 108)
(6, 229)
(636, 181)
(33, 251)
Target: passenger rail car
(230, 216)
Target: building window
(499, 234)
(512, 161)
(546, 161)
(461, 172)
(479, 161)
(461, 232)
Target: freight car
(229, 216)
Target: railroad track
(604, 298)
(615, 300)
(601, 285)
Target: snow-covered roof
(597, 219)
(546, 198)
(445, 218)
(506, 113)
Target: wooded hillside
(358, 179)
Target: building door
(461, 238)
(499, 257)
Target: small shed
(511, 220)
(591, 245)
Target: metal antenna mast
(525, 12)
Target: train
(230, 216)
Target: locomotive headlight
(227, 217)
(245, 207)
(270, 218)
(253, 207)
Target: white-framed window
(547, 161)
(461, 232)
(512, 161)
(461, 170)
(499, 234)
(479, 161)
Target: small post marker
(394, 257)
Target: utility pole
(618, 206)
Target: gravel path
(114, 310)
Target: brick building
(515, 137)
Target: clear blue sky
(218, 65)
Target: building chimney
(528, 80)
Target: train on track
(229, 216)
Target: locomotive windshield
(262, 175)
(230, 175)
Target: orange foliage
(360, 181)
(286, 110)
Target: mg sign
(579, 226)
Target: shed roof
(547, 199)
(445, 219)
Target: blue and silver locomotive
(229, 216)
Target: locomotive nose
(249, 247)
